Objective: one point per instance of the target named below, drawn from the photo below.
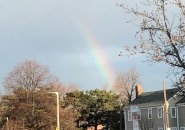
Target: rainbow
(99, 56)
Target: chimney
(139, 90)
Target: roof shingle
(155, 96)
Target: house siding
(181, 110)
(129, 125)
(173, 121)
(174, 101)
(157, 122)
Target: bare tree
(124, 85)
(63, 88)
(29, 75)
(28, 84)
(26, 111)
(28, 105)
(161, 34)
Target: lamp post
(58, 119)
(7, 123)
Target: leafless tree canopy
(29, 75)
(63, 88)
(29, 105)
(124, 84)
(162, 32)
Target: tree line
(29, 105)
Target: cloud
(49, 31)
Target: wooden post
(166, 110)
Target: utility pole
(166, 111)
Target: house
(147, 111)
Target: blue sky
(49, 31)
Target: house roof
(182, 100)
(155, 96)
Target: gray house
(147, 111)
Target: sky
(79, 41)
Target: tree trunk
(121, 119)
(95, 125)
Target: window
(149, 113)
(174, 128)
(129, 116)
(182, 128)
(160, 128)
(160, 112)
(173, 112)
(139, 115)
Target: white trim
(177, 118)
(149, 110)
(181, 104)
(182, 128)
(149, 107)
(125, 119)
(173, 108)
(160, 110)
(174, 128)
(129, 115)
(146, 105)
(139, 114)
(160, 128)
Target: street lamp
(58, 119)
(7, 123)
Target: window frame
(171, 109)
(129, 115)
(149, 113)
(139, 115)
(160, 110)
(174, 128)
(182, 128)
